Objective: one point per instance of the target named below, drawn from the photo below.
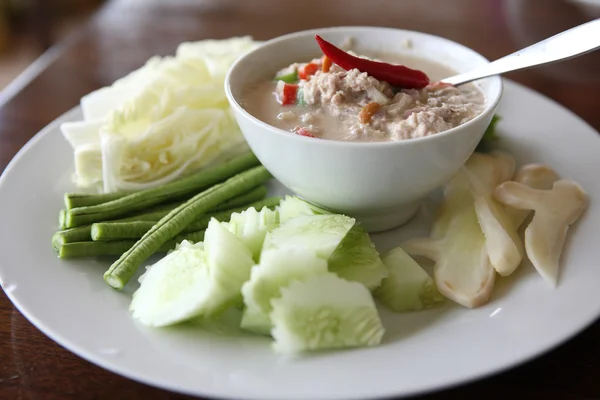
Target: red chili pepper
(307, 70)
(396, 75)
(303, 132)
(286, 93)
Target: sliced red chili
(303, 132)
(286, 93)
(305, 71)
(397, 75)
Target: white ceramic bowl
(380, 184)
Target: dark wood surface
(126, 33)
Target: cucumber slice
(194, 280)
(229, 263)
(292, 207)
(172, 290)
(356, 259)
(409, 287)
(320, 233)
(324, 312)
(251, 226)
(295, 250)
(277, 269)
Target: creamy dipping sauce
(353, 106)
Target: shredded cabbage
(165, 120)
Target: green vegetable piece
(254, 195)
(74, 200)
(489, 137)
(290, 252)
(175, 222)
(118, 247)
(292, 207)
(62, 219)
(93, 249)
(134, 227)
(229, 263)
(324, 312)
(80, 234)
(291, 77)
(277, 269)
(319, 233)
(117, 230)
(158, 212)
(356, 259)
(150, 216)
(84, 233)
(193, 237)
(173, 289)
(251, 227)
(194, 280)
(408, 287)
(106, 231)
(145, 198)
(153, 214)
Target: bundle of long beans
(136, 225)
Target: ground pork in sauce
(333, 102)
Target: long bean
(103, 231)
(84, 233)
(62, 219)
(137, 201)
(74, 200)
(175, 222)
(118, 247)
(79, 234)
(256, 194)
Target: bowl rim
(491, 104)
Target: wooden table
(126, 33)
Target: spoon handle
(570, 43)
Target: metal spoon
(568, 44)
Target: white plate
(69, 301)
